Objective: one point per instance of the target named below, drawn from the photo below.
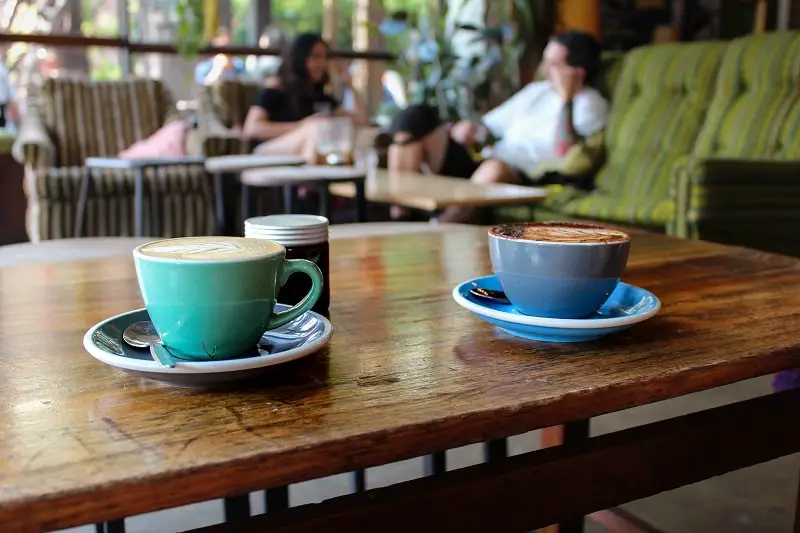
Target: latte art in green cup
(212, 298)
(208, 249)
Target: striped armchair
(70, 120)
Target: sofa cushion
(652, 212)
(168, 141)
(659, 106)
(755, 112)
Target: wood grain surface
(408, 372)
(433, 192)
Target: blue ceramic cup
(558, 269)
(212, 298)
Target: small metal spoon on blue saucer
(489, 294)
(144, 335)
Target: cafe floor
(759, 499)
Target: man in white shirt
(539, 123)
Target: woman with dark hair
(287, 111)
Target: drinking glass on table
(367, 159)
(335, 139)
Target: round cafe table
(68, 250)
(218, 167)
(312, 176)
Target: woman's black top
(281, 108)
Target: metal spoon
(144, 335)
(489, 294)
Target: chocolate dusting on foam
(559, 232)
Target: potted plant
(465, 86)
(196, 25)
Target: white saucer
(297, 339)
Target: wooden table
(433, 193)
(407, 373)
(320, 177)
(225, 190)
(138, 167)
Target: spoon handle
(160, 353)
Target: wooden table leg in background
(236, 508)
(138, 202)
(83, 195)
(572, 433)
(361, 201)
(276, 499)
(114, 526)
(616, 520)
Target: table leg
(83, 196)
(288, 199)
(219, 202)
(361, 201)
(358, 481)
(155, 212)
(115, 526)
(138, 202)
(495, 450)
(236, 508)
(571, 433)
(325, 201)
(245, 202)
(276, 499)
(435, 463)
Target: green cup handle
(303, 266)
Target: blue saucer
(627, 305)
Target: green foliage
(189, 30)
(462, 86)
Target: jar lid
(288, 230)
(287, 221)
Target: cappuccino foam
(560, 232)
(209, 248)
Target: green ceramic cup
(212, 298)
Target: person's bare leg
(429, 151)
(490, 171)
(301, 141)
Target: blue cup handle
(300, 266)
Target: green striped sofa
(69, 120)
(703, 141)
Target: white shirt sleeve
(590, 112)
(7, 91)
(499, 118)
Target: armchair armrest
(583, 159)
(212, 138)
(33, 145)
(725, 189)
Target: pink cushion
(169, 141)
